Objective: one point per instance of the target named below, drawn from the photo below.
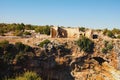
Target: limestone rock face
(65, 61)
(98, 66)
(117, 51)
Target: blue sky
(87, 13)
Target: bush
(29, 27)
(110, 34)
(19, 46)
(104, 50)
(21, 58)
(29, 76)
(82, 29)
(46, 30)
(27, 33)
(116, 31)
(44, 42)
(106, 43)
(27, 48)
(85, 44)
(2, 32)
(118, 36)
(20, 27)
(109, 46)
(18, 33)
(8, 57)
(43, 29)
(4, 44)
(22, 47)
(105, 31)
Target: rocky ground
(62, 59)
(78, 65)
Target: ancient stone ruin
(59, 32)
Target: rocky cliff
(64, 60)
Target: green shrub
(27, 33)
(29, 27)
(18, 33)
(19, 46)
(8, 57)
(109, 46)
(82, 29)
(116, 31)
(104, 50)
(105, 31)
(85, 44)
(21, 58)
(44, 42)
(27, 48)
(2, 32)
(46, 30)
(4, 44)
(110, 34)
(118, 36)
(29, 76)
(43, 29)
(22, 47)
(106, 43)
(20, 27)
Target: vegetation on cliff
(114, 33)
(45, 42)
(85, 44)
(11, 56)
(108, 46)
(28, 76)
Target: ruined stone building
(58, 32)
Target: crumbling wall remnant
(58, 32)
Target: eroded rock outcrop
(65, 61)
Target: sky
(75, 13)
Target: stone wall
(53, 32)
(72, 32)
(58, 32)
